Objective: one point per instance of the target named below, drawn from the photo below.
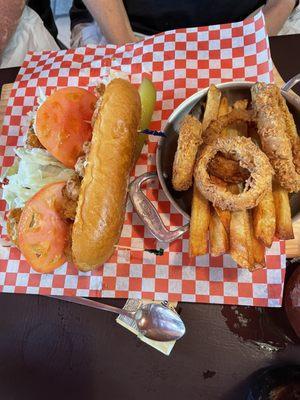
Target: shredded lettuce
(41, 97)
(35, 169)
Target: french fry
(239, 128)
(224, 107)
(241, 248)
(224, 215)
(223, 110)
(258, 247)
(241, 245)
(199, 224)
(249, 237)
(212, 106)
(219, 243)
(200, 215)
(259, 255)
(264, 220)
(284, 226)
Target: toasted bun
(102, 199)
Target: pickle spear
(148, 98)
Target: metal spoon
(155, 321)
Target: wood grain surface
(5, 92)
(292, 246)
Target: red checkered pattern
(180, 63)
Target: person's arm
(112, 18)
(11, 12)
(276, 13)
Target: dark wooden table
(55, 350)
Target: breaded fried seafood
(278, 134)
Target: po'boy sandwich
(82, 150)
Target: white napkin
(30, 35)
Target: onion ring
(250, 157)
(189, 140)
(226, 169)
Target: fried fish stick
(275, 140)
(189, 141)
(291, 131)
(219, 243)
(284, 226)
(264, 220)
(212, 106)
(199, 224)
(241, 245)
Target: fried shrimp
(278, 134)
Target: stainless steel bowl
(166, 151)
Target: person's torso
(153, 16)
(43, 9)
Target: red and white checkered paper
(180, 63)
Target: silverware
(155, 321)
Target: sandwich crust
(102, 199)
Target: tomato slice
(63, 123)
(42, 234)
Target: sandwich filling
(35, 168)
